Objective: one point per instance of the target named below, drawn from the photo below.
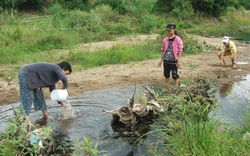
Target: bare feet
(223, 64)
(42, 122)
(45, 114)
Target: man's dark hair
(65, 65)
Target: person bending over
(33, 77)
(228, 49)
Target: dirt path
(205, 65)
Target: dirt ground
(205, 65)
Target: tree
(205, 7)
(212, 7)
(11, 5)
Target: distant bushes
(189, 8)
(179, 8)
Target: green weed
(190, 130)
(85, 148)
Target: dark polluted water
(89, 120)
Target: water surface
(89, 121)
(233, 99)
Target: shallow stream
(233, 99)
(89, 120)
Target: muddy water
(89, 121)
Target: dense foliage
(31, 36)
(180, 8)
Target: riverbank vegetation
(22, 138)
(194, 130)
(52, 30)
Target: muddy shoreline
(203, 65)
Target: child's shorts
(228, 53)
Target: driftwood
(131, 112)
(194, 96)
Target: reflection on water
(233, 101)
(89, 121)
(225, 89)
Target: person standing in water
(172, 48)
(228, 49)
(33, 77)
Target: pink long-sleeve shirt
(177, 46)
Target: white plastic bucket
(59, 95)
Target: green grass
(28, 39)
(190, 130)
(119, 54)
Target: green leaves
(85, 148)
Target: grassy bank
(191, 130)
(32, 38)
